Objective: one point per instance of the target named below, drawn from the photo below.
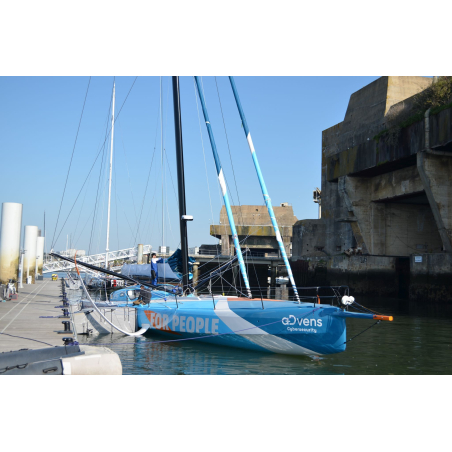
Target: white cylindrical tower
(40, 253)
(30, 240)
(10, 241)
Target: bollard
(67, 327)
(69, 341)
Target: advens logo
(301, 322)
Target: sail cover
(164, 271)
(175, 262)
(169, 270)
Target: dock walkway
(21, 317)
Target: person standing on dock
(154, 269)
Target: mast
(183, 218)
(267, 199)
(109, 181)
(227, 204)
(45, 254)
(163, 167)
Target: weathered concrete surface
(309, 238)
(435, 172)
(365, 275)
(385, 194)
(367, 110)
(431, 279)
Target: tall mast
(227, 204)
(162, 162)
(267, 199)
(183, 218)
(109, 181)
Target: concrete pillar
(274, 273)
(195, 274)
(435, 175)
(225, 245)
(355, 194)
(30, 241)
(140, 254)
(281, 292)
(11, 227)
(378, 229)
(40, 254)
(286, 242)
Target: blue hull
(281, 327)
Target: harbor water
(418, 341)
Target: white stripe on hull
(256, 335)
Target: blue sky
(39, 117)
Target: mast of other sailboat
(109, 181)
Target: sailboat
(279, 326)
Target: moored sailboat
(279, 326)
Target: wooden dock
(21, 317)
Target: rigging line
(171, 176)
(168, 213)
(94, 162)
(150, 210)
(235, 180)
(162, 169)
(125, 214)
(100, 173)
(81, 208)
(28, 339)
(116, 205)
(81, 232)
(233, 171)
(218, 186)
(150, 228)
(128, 172)
(149, 173)
(229, 149)
(203, 153)
(97, 200)
(144, 196)
(103, 188)
(70, 163)
(204, 156)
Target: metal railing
(251, 253)
(57, 265)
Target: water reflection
(417, 342)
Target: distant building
(253, 224)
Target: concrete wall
(309, 238)
(385, 195)
(431, 278)
(365, 275)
